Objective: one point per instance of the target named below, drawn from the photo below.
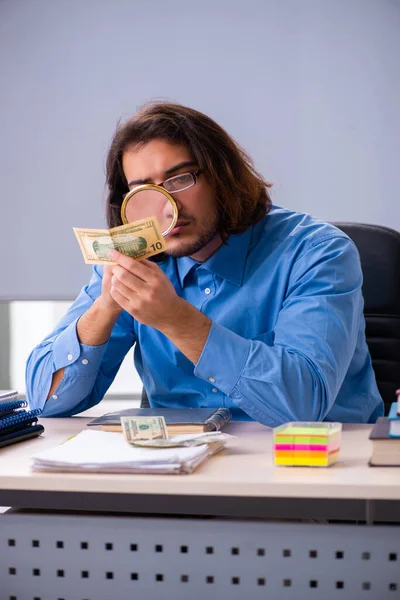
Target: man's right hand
(94, 327)
(106, 299)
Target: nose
(178, 204)
(168, 211)
(168, 214)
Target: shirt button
(211, 379)
(207, 291)
(214, 390)
(69, 356)
(55, 396)
(85, 361)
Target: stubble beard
(207, 233)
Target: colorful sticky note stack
(307, 444)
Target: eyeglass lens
(179, 183)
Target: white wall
(30, 322)
(311, 88)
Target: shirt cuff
(223, 358)
(69, 352)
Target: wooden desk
(104, 536)
(241, 481)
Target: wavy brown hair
(241, 192)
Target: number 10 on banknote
(140, 239)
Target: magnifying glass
(149, 200)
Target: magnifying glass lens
(150, 203)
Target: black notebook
(385, 449)
(16, 423)
(178, 420)
(20, 435)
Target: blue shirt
(287, 341)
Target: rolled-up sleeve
(88, 370)
(298, 375)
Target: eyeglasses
(178, 183)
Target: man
(254, 307)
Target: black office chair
(379, 249)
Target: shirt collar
(227, 262)
(185, 265)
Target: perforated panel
(47, 557)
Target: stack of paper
(105, 452)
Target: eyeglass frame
(194, 174)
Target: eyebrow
(170, 171)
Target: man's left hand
(144, 291)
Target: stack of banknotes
(152, 432)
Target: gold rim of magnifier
(150, 186)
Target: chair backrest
(379, 249)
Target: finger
(107, 273)
(151, 265)
(107, 269)
(126, 288)
(138, 268)
(121, 299)
(122, 289)
(124, 277)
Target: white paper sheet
(101, 451)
